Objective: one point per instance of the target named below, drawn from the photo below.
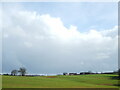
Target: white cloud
(43, 44)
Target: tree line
(21, 71)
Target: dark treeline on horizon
(22, 72)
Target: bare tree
(22, 71)
(14, 72)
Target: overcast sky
(60, 37)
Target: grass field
(75, 81)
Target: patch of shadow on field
(51, 76)
(115, 78)
(106, 84)
(118, 85)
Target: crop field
(73, 81)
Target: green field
(75, 81)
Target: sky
(49, 37)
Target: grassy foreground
(76, 81)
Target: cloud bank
(42, 44)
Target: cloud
(42, 44)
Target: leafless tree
(22, 71)
(14, 72)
